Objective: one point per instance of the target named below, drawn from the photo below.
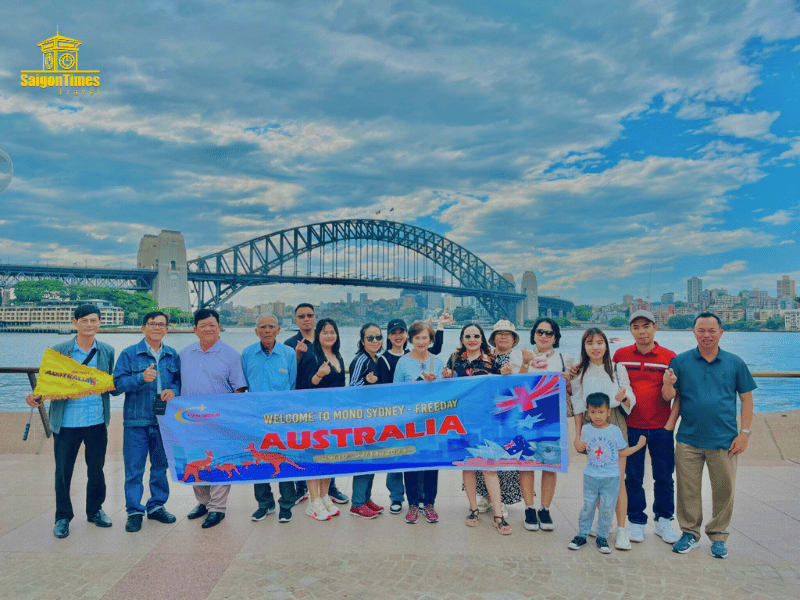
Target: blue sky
(587, 142)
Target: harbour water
(761, 351)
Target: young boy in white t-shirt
(604, 446)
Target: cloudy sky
(588, 142)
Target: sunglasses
(373, 338)
(545, 333)
(477, 336)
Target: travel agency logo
(60, 69)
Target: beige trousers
(689, 463)
(213, 496)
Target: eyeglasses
(545, 332)
(152, 325)
(373, 338)
(477, 336)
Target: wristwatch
(747, 431)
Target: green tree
(681, 322)
(775, 323)
(679, 303)
(411, 314)
(582, 312)
(33, 291)
(618, 322)
(463, 314)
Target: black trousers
(66, 444)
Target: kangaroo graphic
(246, 464)
(229, 468)
(194, 467)
(272, 458)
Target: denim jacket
(139, 395)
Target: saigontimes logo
(60, 69)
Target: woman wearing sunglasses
(474, 357)
(545, 336)
(364, 371)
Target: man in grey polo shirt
(210, 366)
(705, 381)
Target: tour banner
(495, 422)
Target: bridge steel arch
(217, 277)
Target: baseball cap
(396, 324)
(642, 313)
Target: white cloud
(744, 125)
(736, 266)
(781, 217)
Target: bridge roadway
(385, 558)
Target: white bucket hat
(504, 325)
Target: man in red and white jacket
(652, 418)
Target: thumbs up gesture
(150, 373)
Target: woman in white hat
(503, 339)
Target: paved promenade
(385, 558)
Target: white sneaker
(483, 504)
(623, 542)
(664, 529)
(329, 506)
(637, 532)
(316, 510)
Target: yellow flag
(61, 378)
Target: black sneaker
(396, 507)
(337, 496)
(602, 545)
(578, 542)
(134, 523)
(285, 515)
(262, 513)
(545, 521)
(531, 521)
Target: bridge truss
(362, 252)
(140, 280)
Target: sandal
(472, 518)
(502, 526)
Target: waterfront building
(166, 253)
(791, 320)
(694, 287)
(786, 287)
(54, 315)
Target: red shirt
(646, 372)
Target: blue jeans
(362, 489)
(607, 490)
(137, 443)
(265, 498)
(421, 486)
(394, 483)
(661, 444)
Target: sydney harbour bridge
(352, 252)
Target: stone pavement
(385, 558)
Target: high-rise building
(694, 287)
(349, 297)
(433, 300)
(786, 287)
(627, 299)
(668, 298)
(166, 253)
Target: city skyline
(620, 152)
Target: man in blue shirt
(270, 367)
(145, 372)
(706, 381)
(81, 421)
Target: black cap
(396, 324)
